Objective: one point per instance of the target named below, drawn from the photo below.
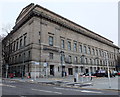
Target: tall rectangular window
(75, 46)
(62, 44)
(100, 52)
(86, 61)
(93, 51)
(89, 50)
(70, 58)
(80, 48)
(20, 42)
(90, 61)
(85, 50)
(69, 45)
(51, 55)
(76, 60)
(17, 46)
(50, 40)
(24, 40)
(28, 54)
(81, 61)
(96, 52)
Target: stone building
(45, 43)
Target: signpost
(45, 65)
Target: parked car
(115, 72)
(100, 73)
(118, 73)
(87, 74)
(111, 75)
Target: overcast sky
(100, 16)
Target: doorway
(52, 70)
(70, 71)
(86, 71)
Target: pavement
(83, 82)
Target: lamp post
(6, 70)
(62, 53)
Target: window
(23, 56)
(85, 50)
(76, 69)
(62, 44)
(75, 46)
(58, 69)
(96, 52)
(80, 48)
(39, 32)
(16, 58)
(97, 62)
(100, 52)
(28, 54)
(14, 47)
(76, 60)
(81, 60)
(100, 62)
(24, 40)
(39, 41)
(50, 40)
(89, 50)
(51, 55)
(70, 58)
(69, 45)
(93, 62)
(17, 46)
(93, 51)
(20, 42)
(19, 57)
(90, 61)
(86, 61)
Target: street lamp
(6, 70)
(62, 53)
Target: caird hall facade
(45, 43)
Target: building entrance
(86, 70)
(70, 71)
(52, 70)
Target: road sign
(45, 64)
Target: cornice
(66, 25)
(40, 14)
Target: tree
(7, 28)
(5, 51)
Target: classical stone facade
(45, 43)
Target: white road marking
(90, 91)
(47, 91)
(77, 90)
(1, 84)
(8, 85)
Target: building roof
(39, 11)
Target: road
(25, 88)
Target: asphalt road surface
(25, 88)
